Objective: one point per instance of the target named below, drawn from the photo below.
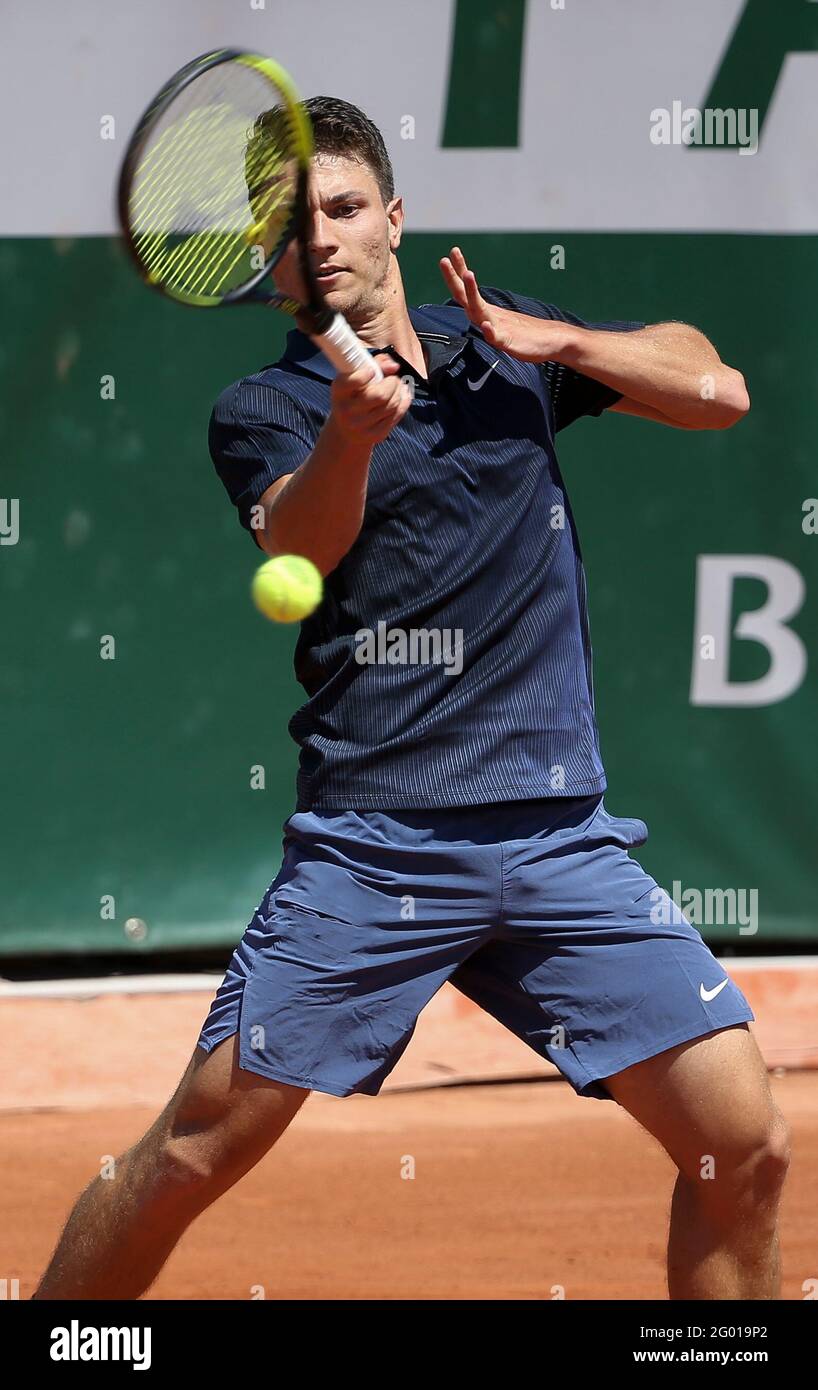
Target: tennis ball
(287, 588)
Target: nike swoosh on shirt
(475, 385)
(708, 994)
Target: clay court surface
(519, 1185)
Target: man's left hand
(520, 335)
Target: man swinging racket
(450, 822)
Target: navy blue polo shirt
(449, 663)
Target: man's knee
(217, 1126)
(745, 1179)
(182, 1171)
(770, 1160)
(761, 1172)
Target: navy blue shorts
(533, 909)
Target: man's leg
(708, 1102)
(216, 1127)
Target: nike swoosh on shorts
(708, 994)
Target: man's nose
(321, 234)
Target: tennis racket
(213, 188)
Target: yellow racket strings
(193, 219)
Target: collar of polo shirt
(440, 350)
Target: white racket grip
(345, 350)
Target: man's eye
(347, 209)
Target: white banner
(596, 77)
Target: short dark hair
(339, 128)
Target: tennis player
(450, 821)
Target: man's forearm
(319, 510)
(669, 367)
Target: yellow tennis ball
(287, 588)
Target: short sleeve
(257, 434)
(572, 394)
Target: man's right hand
(364, 411)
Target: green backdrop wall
(131, 778)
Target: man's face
(352, 238)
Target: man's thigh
(366, 920)
(710, 1097)
(594, 967)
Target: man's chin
(341, 298)
(349, 298)
(348, 311)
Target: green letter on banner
(767, 31)
(483, 101)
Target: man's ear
(394, 213)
